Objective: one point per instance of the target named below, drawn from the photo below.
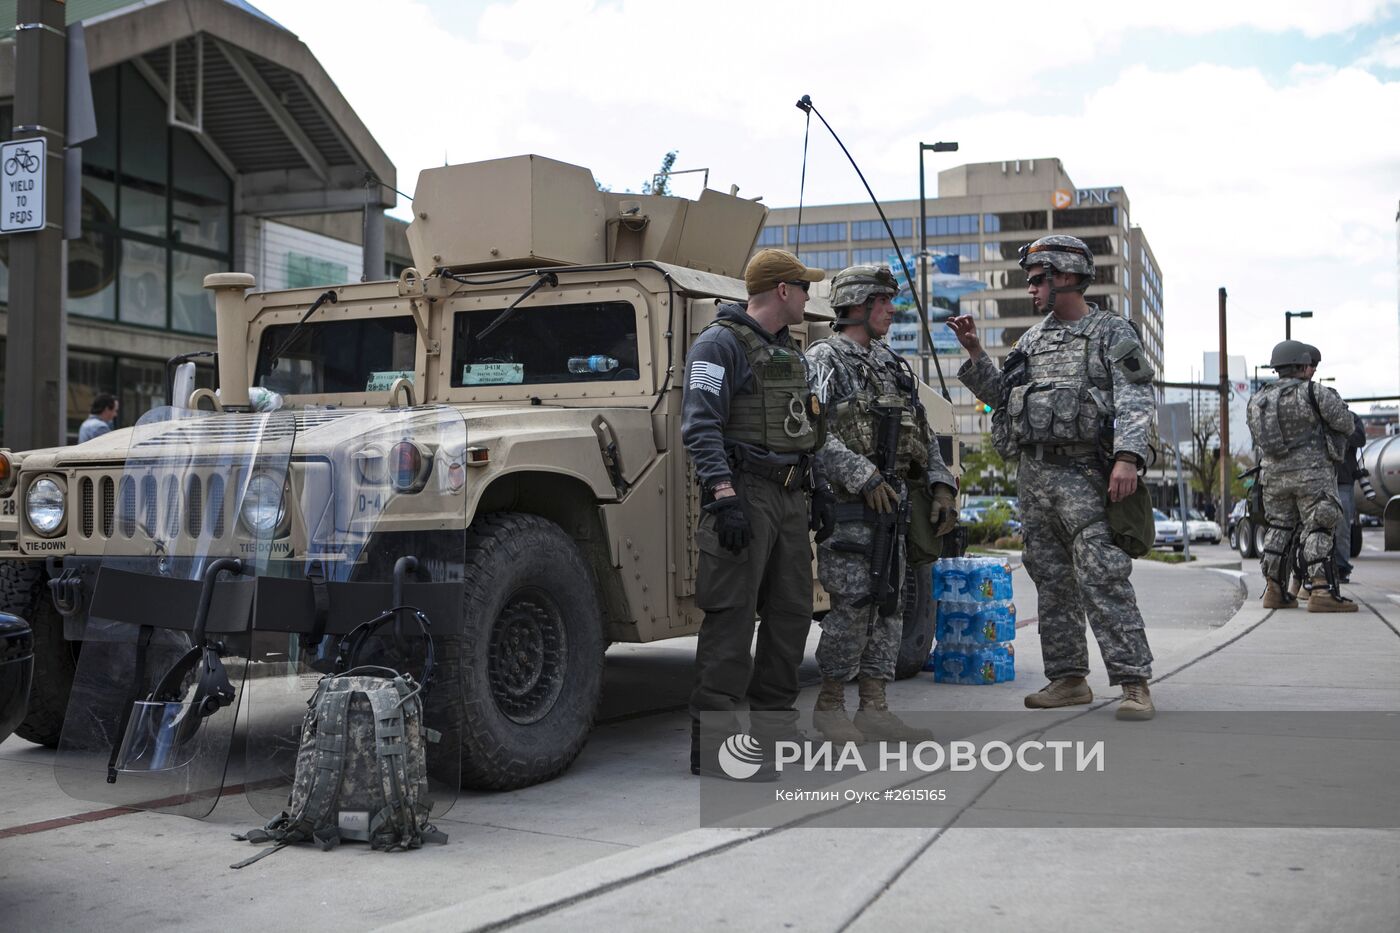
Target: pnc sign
(1064, 197)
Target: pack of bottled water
(976, 622)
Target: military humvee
(552, 320)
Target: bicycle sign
(22, 185)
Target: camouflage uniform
(1299, 447)
(848, 378)
(1081, 375)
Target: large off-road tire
(24, 592)
(527, 672)
(920, 610)
(1244, 533)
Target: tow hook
(67, 591)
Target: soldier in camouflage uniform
(855, 375)
(1074, 403)
(1300, 431)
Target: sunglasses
(805, 286)
(1035, 281)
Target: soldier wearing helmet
(861, 382)
(1074, 405)
(1300, 432)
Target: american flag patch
(707, 377)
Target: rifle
(889, 526)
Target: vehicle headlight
(43, 505)
(263, 505)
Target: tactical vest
(856, 421)
(778, 415)
(1285, 420)
(1058, 405)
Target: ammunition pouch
(1053, 414)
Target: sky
(1258, 142)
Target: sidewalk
(1017, 879)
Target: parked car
(1168, 531)
(1232, 523)
(16, 671)
(972, 515)
(1198, 526)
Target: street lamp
(1288, 317)
(924, 332)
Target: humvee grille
(85, 505)
(108, 488)
(194, 507)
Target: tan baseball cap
(768, 267)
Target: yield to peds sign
(22, 185)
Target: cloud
(1283, 190)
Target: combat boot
(876, 721)
(829, 715)
(1066, 691)
(1322, 599)
(1137, 701)
(1276, 597)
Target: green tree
(663, 176)
(985, 473)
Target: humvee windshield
(554, 343)
(363, 355)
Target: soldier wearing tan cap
(748, 426)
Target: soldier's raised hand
(965, 328)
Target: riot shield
(375, 582)
(189, 522)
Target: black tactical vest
(777, 415)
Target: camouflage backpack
(361, 767)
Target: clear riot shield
(380, 514)
(190, 521)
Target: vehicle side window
(586, 342)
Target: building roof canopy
(271, 114)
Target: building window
(969, 251)
(1008, 307)
(1001, 251)
(1102, 245)
(879, 257)
(903, 228)
(817, 233)
(1013, 221)
(951, 225)
(1086, 217)
(824, 259)
(770, 236)
(157, 215)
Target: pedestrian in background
(859, 382)
(100, 417)
(1347, 470)
(1074, 406)
(1300, 429)
(748, 425)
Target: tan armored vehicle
(494, 438)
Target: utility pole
(36, 362)
(1226, 461)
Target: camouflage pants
(850, 644)
(1079, 572)
(1306, 500)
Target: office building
(982, 215)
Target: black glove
(731, 523)
(823, 520)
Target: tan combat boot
(829, 715)
(1322, 600)
(1276, 597)
(1067, 691)
(1137, 701)
(876, 721)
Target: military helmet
(1061, 253)
(856, 284)
(1316, 353)
(1293, 353)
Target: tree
(663, 182)
(984, 472)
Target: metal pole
(1287, 326)
(924, 348)
(1226, 461)
(1180, 488)
(36, 365)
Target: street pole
(1226, 461)
(924, 348)
(36, 364)
(1180, 488)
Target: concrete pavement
(615, 843)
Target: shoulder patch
(706, 377)
(1128, 356)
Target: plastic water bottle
(597, 363)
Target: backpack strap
(395, 826)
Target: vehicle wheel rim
(526, 661)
